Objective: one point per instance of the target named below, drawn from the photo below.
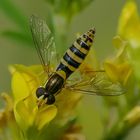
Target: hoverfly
(71, 60)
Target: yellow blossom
(133, 117)
(66, 102)
(129, 29)
(7, 113)
(118, 68)
(25, 81)
(129, 24)
(24, 84)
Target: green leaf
(18, 36)
(13, 13)
(69, 7)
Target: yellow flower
(25, 81)
(66, 102)
(129, 24)
(118, 68)
(133, 117)
(129, 29)
(118, 72)
(8, 126)
(24, 84)
(6, 114)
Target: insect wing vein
(43, 40)
(97, 85)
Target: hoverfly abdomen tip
(93, 30)
(91, 34)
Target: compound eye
(50, 99)
(40, 91)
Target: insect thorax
(54, 84)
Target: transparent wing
(98, 84)
(44, 42)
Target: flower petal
(25, 111)
(19, 86)
(133, 117)
(66, 103)
(23, 83)
(45, 115)
(121, 45)
(129, 24)
(111, 71)
(7, 113)
(118, 72)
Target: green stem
(120, 130)
(13, 12)
(61, 26)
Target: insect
(98, 84)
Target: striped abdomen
(76, 54)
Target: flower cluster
(26, 115)
(129, 31)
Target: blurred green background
(103, 14)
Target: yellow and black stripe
(75, 55)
